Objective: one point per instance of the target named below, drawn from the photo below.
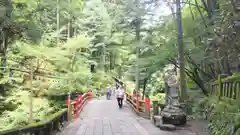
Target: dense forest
(52, 48)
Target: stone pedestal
(173, 115)
(158, 121)
(172, 112)
(167, 127)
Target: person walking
(109, 92)
(120, 96)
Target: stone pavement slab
(103, 117)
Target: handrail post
(76, 103)
(86, 97)
(80, 103)
(90, 94)
(147, 106)
(69, 107)
(137, 103)
(220, 87)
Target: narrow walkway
(103, 117)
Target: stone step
(167, 127)
(157, 119)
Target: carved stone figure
(172, 113)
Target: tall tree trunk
(103, 58)
(119, 71)
(144, 87)
(226, 66)
(4, 48)
(5, 31)
(211, 6)
(112, 61)
(70, 29)
(183, 87)
(137, 72)
(219, 67)
(58, 22)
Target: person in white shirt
(120, 96)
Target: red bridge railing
(141, 107)
(76, 106)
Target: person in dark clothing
(120, 102)
(109, 92)
(120, 96)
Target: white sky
(161, 11)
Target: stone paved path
(103, 117)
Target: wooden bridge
(98, 116)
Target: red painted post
(80, 103)
(147, 103)
(67, 100)
(76, 108)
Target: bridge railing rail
(77, 105)
(227, 90)
(56, 121)
(141, 107)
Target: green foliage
(101, 80)
(221, 116)
(191, 84)
(19, 117)
(49, 119)
(129, 85)
(160, 97)
(68, 62)
(156, 83)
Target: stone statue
(172, 112)
(173, 90)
